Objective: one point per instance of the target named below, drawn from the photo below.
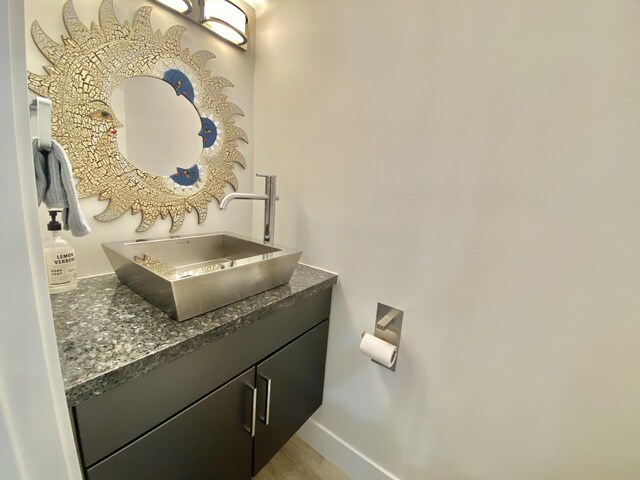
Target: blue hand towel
(54, 184)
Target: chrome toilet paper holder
(388, 327)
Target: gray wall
(476, 165)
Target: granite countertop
(107, 334)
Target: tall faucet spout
(269, 197)
(241, 196)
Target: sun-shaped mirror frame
(85, 69)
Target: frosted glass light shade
(226, 19)
(181, 6)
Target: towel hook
(40, 111)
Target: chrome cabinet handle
(253, 412)
(254, 403)
(267, 410)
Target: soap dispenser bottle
(60, 258)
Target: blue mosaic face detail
(180, 83)
(208, 132)
(186, 176)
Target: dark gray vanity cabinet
(220, 412)
(208, 440)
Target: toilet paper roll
(378, 350)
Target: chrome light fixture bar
(227, 19)
(181, 6)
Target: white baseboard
(340, 453)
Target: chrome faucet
(269, 198)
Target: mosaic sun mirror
(85, 69)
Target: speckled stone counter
(107, 334)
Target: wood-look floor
(298, 461)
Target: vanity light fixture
(226, 19)
(180, 6)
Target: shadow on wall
(301, 235)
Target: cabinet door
(290, 385)
(209, 440)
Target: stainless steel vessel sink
(188, 275)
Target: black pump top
(53, 225)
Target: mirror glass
(159, 129)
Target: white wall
(232, 63)
(475, 164)
(35, 433)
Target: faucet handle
(268, 178)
